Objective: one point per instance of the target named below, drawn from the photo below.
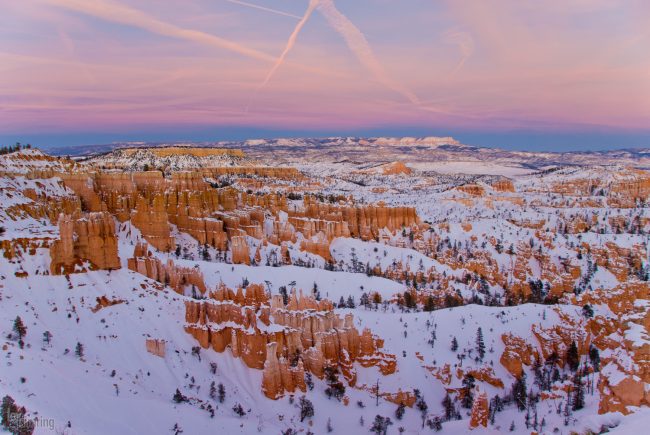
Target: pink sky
(79, 65)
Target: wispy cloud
(291, 42)
(358, 44)
(263, 8)
(118, 13)
(465, 44)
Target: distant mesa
(187, 151)
(396, 168)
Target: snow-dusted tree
(380, 425)
(222, 393)
(47, 337)
(79, 350)
(454, 344)
(572, 357)
(20, 329)
(178, 397)
(306, 408)
(480, 344)
(239, 410)
(519, 393)
(578, 401)
(399, 412)
(422, 406)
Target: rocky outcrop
(279, 376)
(155, 347)
(85, 238)
(284, 341)
(181, 279)
(103, 302)
(517, 353)
(150, 217)
(480, 411)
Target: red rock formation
(155, 347)
(503, 185)
(240, 251)
(150, 217)
(516, 353)
(88, 237)
(176, 277)
(103, 302)
(306, 335)
(480, 411)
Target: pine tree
(449, 408)
(285, 296)
(178, 397)
(222, 393)
(578, 392)
(468, 391)
(422, 406)
(47, 337)
(306, 408)
(572, 357)
(341, 303)
(350, 302)
(480, 345)
(429, 304)
(399, 412)
(335, 387)
(239, 410)
(594, 357)
(454, 344)
(21, 330)
(79, 350)
(213, 391)
(380, 425)
(519, 393)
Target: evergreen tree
(429, 305)
(454, 344)
(380, 425)
(468, 392)
(285, 296)
(47, 337)
(222, 393)
(399, 412)
(341, 303)
(594, 357)
(239, 410)
(79, 350)
(422, 406)
(178, 397)
(350, 302)
(335, 387)
(480, 345)
(572, 357)
(519, 393)
(449, 408)
(578, 401)
(213, 391)
(306, 408)
(21, 330)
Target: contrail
(465, 44)
(124, 15)
(292, 40)
(262, 8)
(359, 45)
